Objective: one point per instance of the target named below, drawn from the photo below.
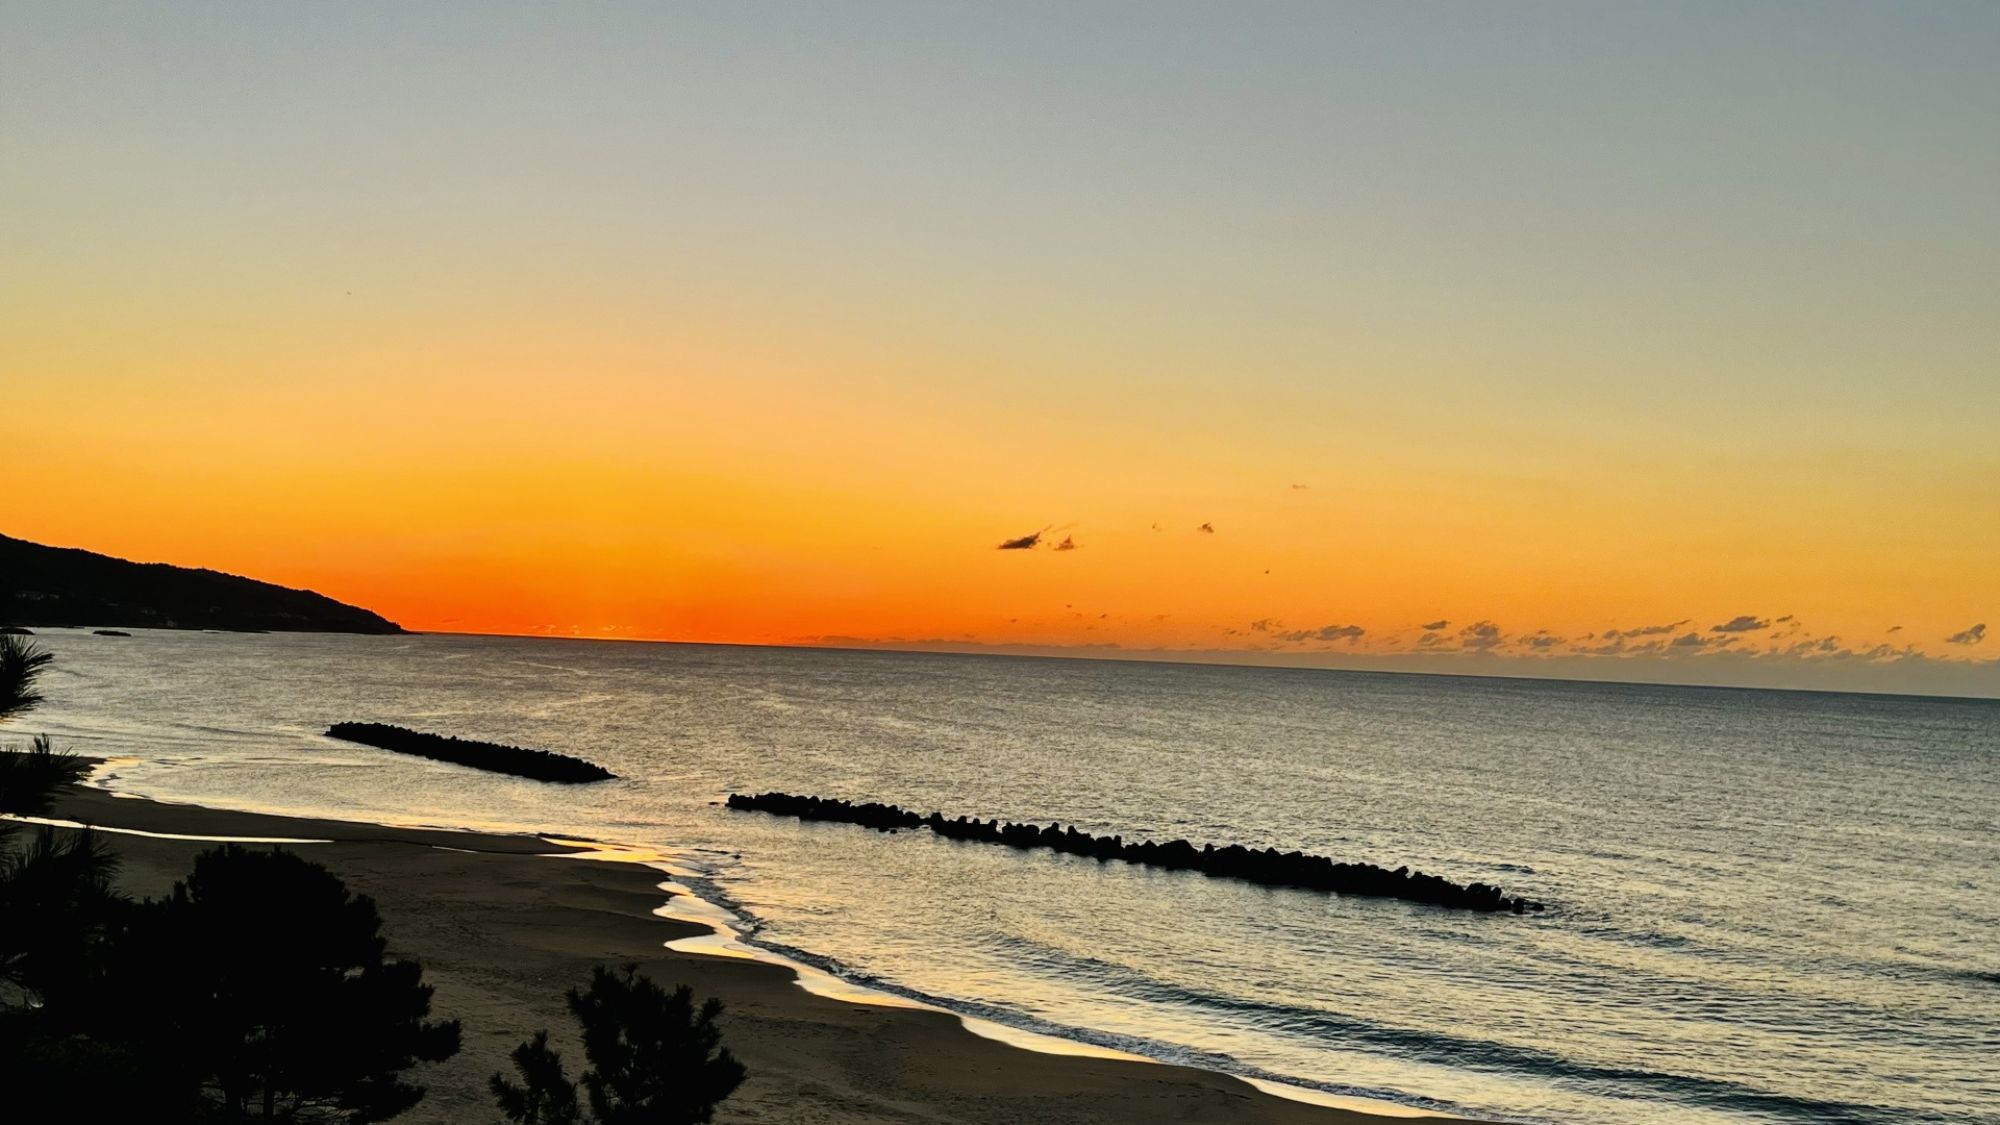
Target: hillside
(62, 586)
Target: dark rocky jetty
(1267, 867)
(539, 765)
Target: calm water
(1767, 907)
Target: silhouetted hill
(63, 586)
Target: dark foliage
(31, 778)
(56, 902)
(58, 912)
(538, 765)
(1267, 866)
(265, 979)
(21, 663)
(52, 1073)
(655, 1059)
(58, 586)
(545, 1095)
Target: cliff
(63, 586)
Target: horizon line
(1138, 656)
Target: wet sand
(503, 929)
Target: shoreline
(503, 930)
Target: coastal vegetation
(55, 889)
(1267, 866)
(42, 585)
(538, 765)
(268, 982)
(656, 1058)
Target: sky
(1649, 342)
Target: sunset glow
(512, 322)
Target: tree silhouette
(655, 1059)
(545, 1095)
(267, 978)
(59, 918)
(21, 662)
(55, 893)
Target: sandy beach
(502, 928)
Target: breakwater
(538, 765)
(1267, 867)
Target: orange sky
(777, 344)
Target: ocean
(1763, 906)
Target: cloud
(1810, 648)
(1430, 640)
(1743, 623)
(1481, 636)
(1348, 633)
(1206, 529)
(1970, 636)
(1542, 640)
(1266, 624)
(1695, 642)
(1068, 544)
(1644, 630)
(1024, 543)
(1300, 487)
(1434, 626)
(1785, 618)
(1894, 629)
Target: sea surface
(1765, 906)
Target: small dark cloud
(1784, 619)
(1694, 641)
(1434, 626)
(1206, 529)
(1430, 640)
(1742, 623)
(1480, 635)
(1300, 487)
(1644, 630)
(1156, 527)
(1894, 629)
(1971, 636)
(1266, 624)
(1068, 544)
(1348, 633)
(1024, 543)
(1542, 640)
